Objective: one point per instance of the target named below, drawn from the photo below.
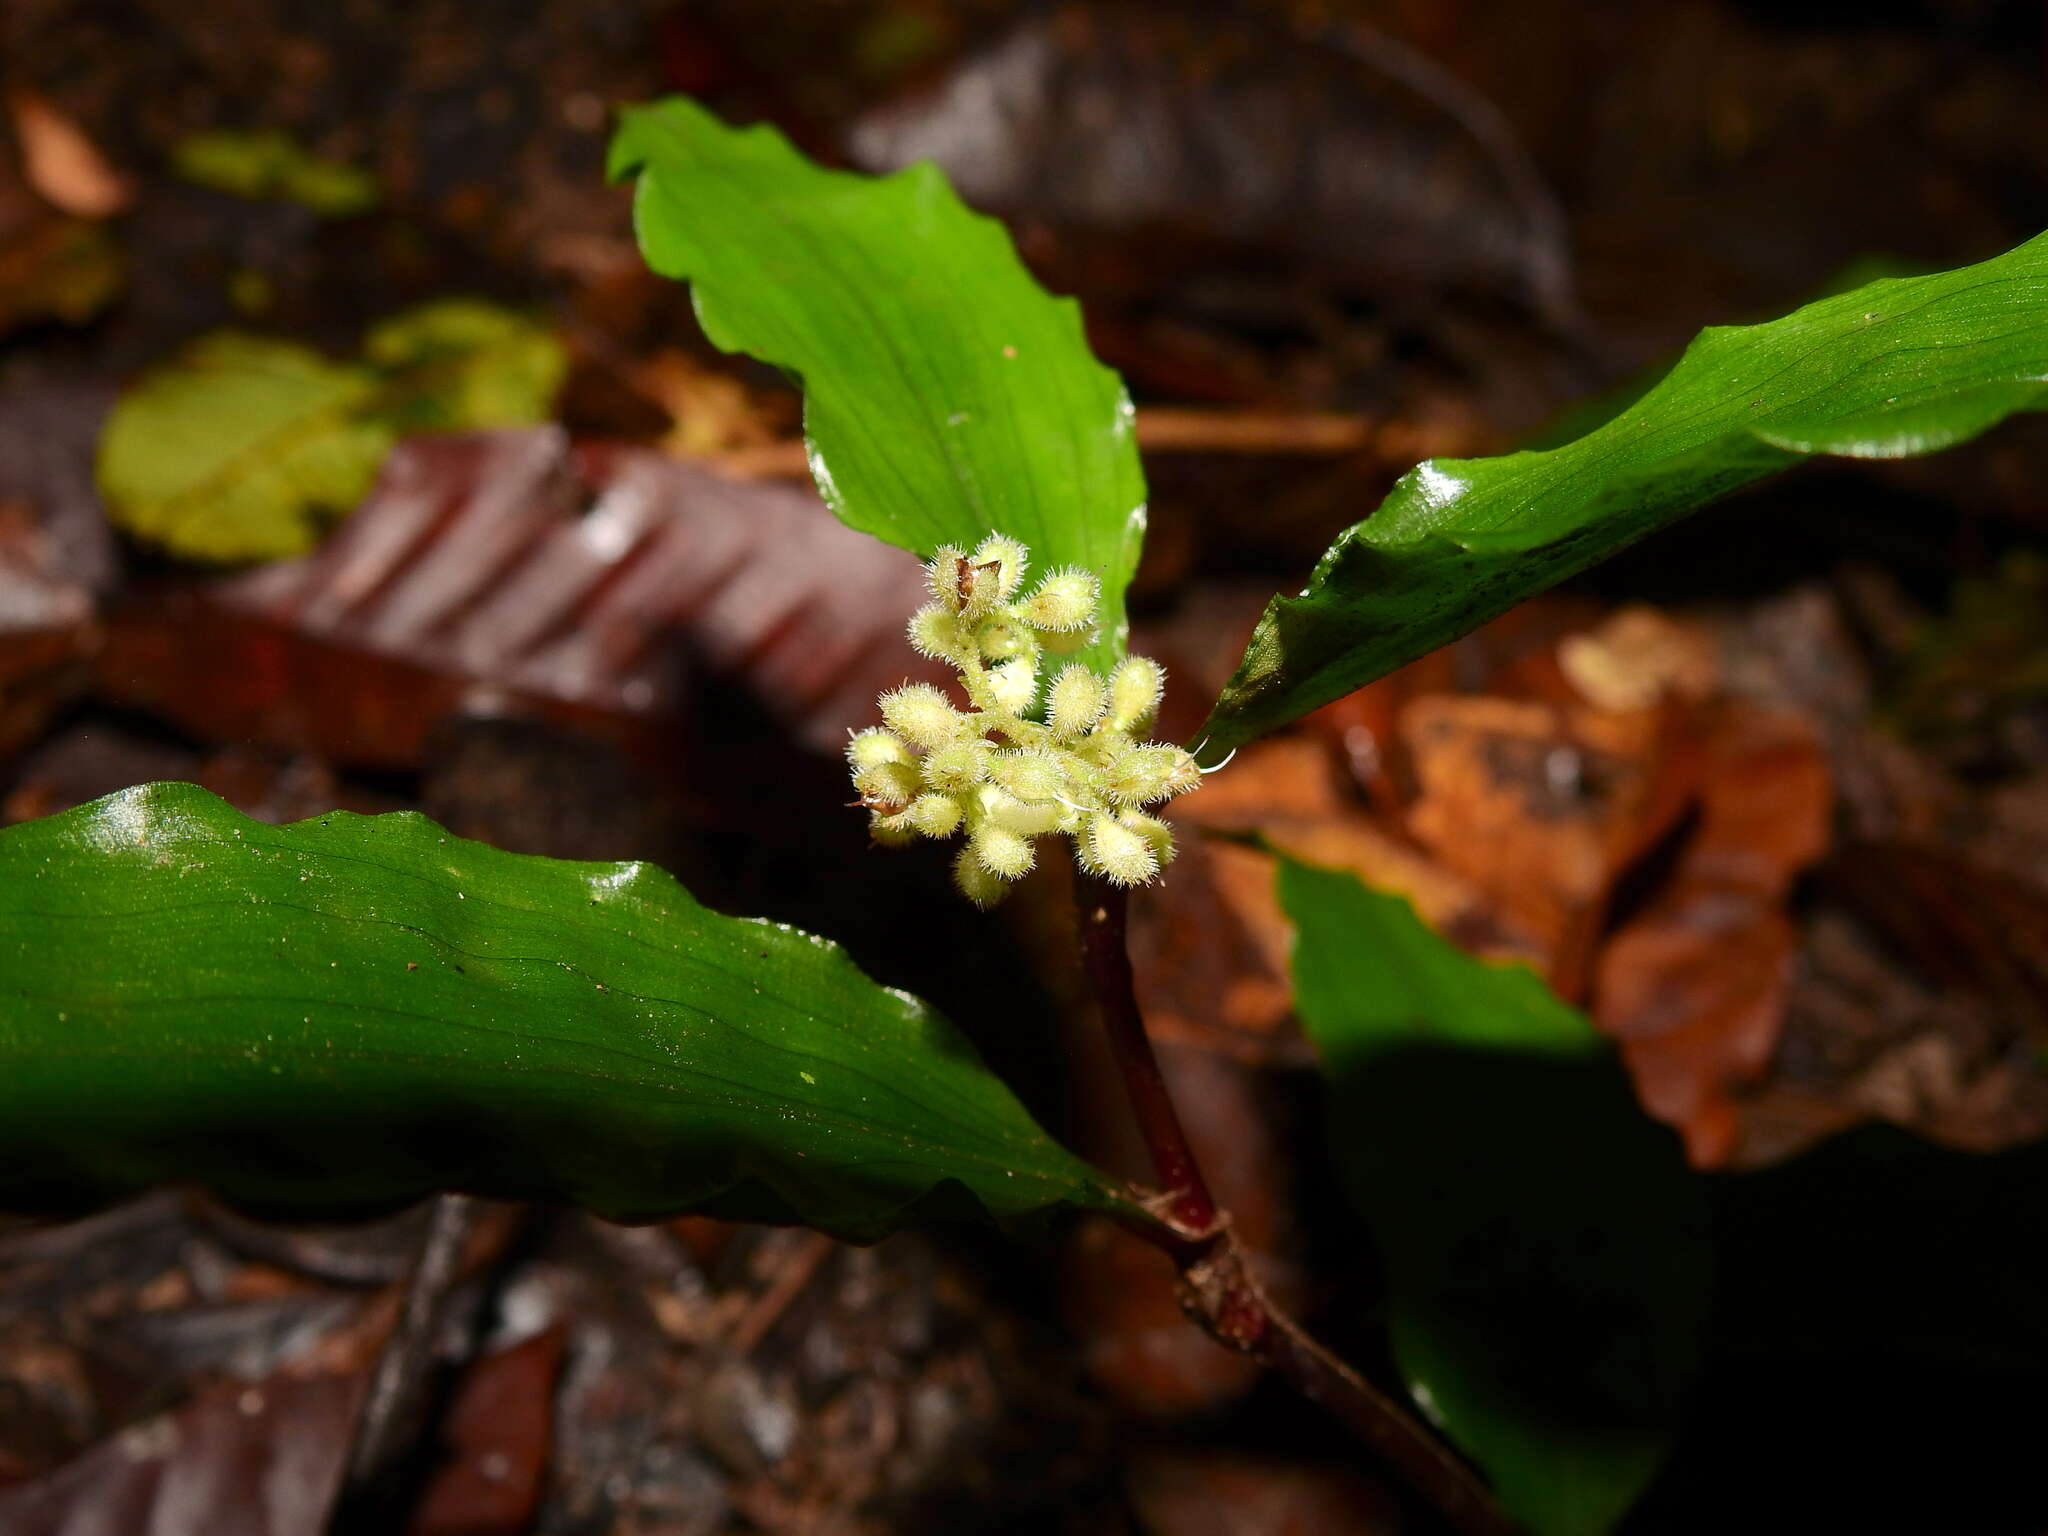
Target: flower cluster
(1015, 766)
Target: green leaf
(1546, 1252)
(455, 364)
(240, 448)
(1898, 367)
(945, 395)
(244, 447)
(345, 1014)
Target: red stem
(1217, 1289)
(1101, 911)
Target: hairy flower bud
(1010, 559)
(1075, 702)
(1157, 834)
(999, 808)
(1013, 686)
(1139, 775)
(888, 784)
(975, 882)
(1183, 773)
(1134, 691)
(934, 815)
(941, 574)
(1064, 602)
(921, 714)
(873, 747)
(1002, 853)
(1003, 639)
(936, 631)
(1033, 776)
(891, 831)
(1118, 853)
(959, 765)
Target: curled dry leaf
(1539, 805)
(1694, 985)
(509, 572)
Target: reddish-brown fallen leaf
(1694, 985)
(1541, 806)
(508, 572)
(1211, 944)
(501, 1431)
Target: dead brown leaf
(62, 163)
(1694, 984)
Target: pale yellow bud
(935, 631)
(1134, 690)
(1065, 643)
(1117, 853)
(1002, 810)
(934, 815)
(942, 575)
(1183, 773)
(1010, 559)
(1141, 775)
(889, 784)
(959, 765)
(921, 713)
(1033, 776)
(1012, 686)
(890, 831)
(1075, 702)
(1155, 832)
(1002, 853)
(873, 747)
(975, 882)
(1001, 639)
(1064, 602)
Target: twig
(1160, 429)
(797, 1269)
(383, 1461)
(1187, 429)
(1218, 1291)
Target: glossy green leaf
(945, 394)
(1897, 367)
(348, 1013)
(245, 447)
(1545, 1249)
